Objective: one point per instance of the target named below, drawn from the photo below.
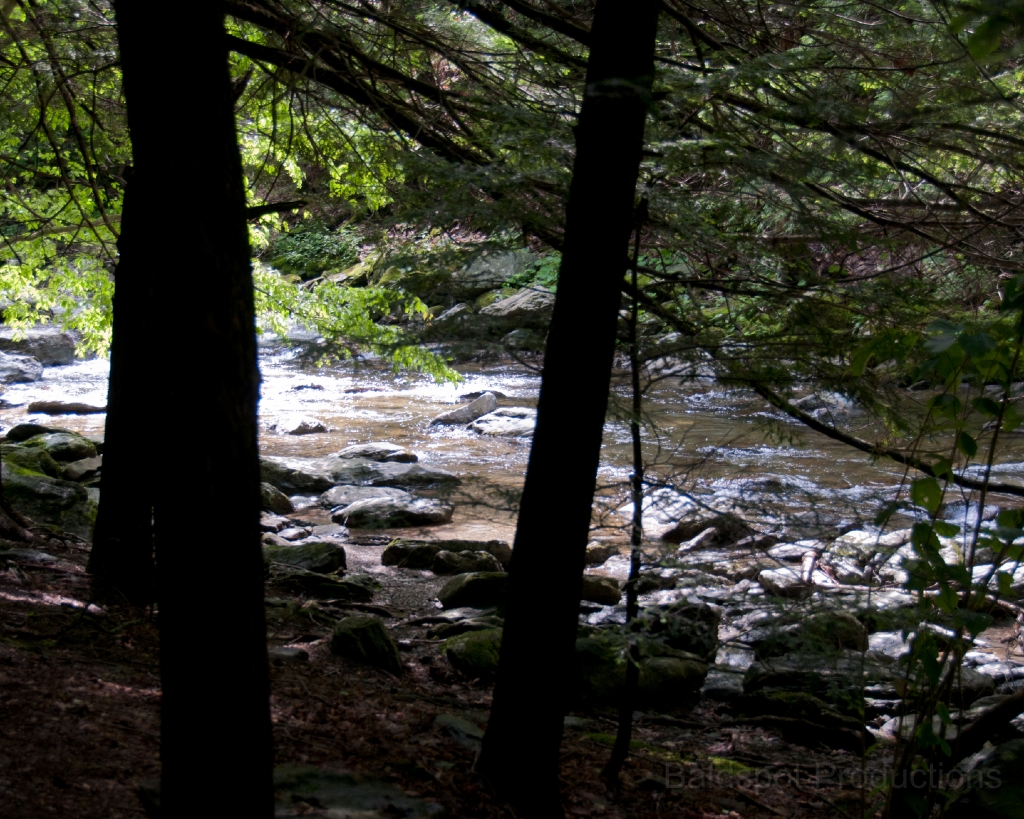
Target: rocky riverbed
(390, 510)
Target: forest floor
(80, 721)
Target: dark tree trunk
(121, 560)
(521, 746)
(189, 203)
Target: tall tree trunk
(189, 202)
(521, 745)
(121, 559)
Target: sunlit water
(709, 441)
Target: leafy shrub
(311, 249)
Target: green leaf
(986, 37)
(944, 528)
(859, 360)
(966, 444)
(986, 406)
(926, 493)
(976, 344)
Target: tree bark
(521, 745)
(216, 740)
(121, 559)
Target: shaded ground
(80, 699)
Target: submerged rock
(386, 513)
(347, 495)
(470, 412)
(507, 422)
(379, 451)
(365, 638)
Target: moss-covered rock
(684, 626)
(365, 638)
(603, 590)
(32, 458)
(64, 505)
(475, 653)
(446, 562)
(274, 500)
(322, 557)
(63, 446)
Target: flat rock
(470, 412)
(346, 495)
(386, 513)
(64, 408)
(307, 475)
(83, 469)
(379, 451)
(272, 523)
(530, 302)
(507, 422)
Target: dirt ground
(80, 722)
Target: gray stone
(475, 653)
(280, 655)
(307, 475)
(454, 312)
(994, 785)
(344, 795)
(273, 539)
(461, 730)
(379, 451)
(386, 513)
(272, 523)
(83, 470)
(723, 684)
(470, 412)
(446, 562)
(603, 590)
(478, 590)
(598, 553)
(729, 527)
(19, 369)
(65, 505)
(22, 432)
(347, 495)
(523, 338)
(322, 557)
(63, 446)
(419, 554)
(684, 626)
(788, 552)
(531, 302)
(293, 533)
(365, 638)
(783, 582)
(47, 344)
(490, 269)
(299, 425)
(274, 500)
(507, 422)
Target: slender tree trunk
(121, 559)
(521, 746)
(190, 206)
(620, 750)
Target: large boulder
(365, 638)
(63, 446)
(420, 554)
(322, 557)
(684, 626)
(603, 590)
(478, 590)
(19, 369)
(507, 422)
(529, 304)
(446, 562)
(824, 631)
(387, 513)
(347, 495)
(65, 505)
(488, 270)
(274, 500)
(47, 344)
(470, 412)
(22, 432)
(379, 451)
(475, 653)
(301, 475)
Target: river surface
(709, 442)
